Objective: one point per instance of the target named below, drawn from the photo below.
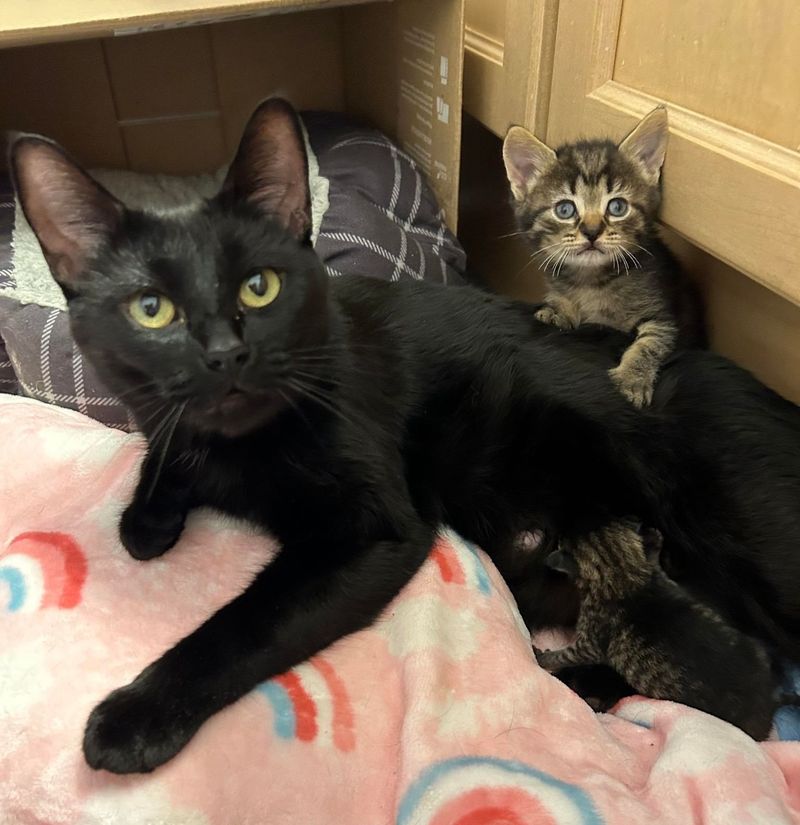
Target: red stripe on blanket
(344, 737)
(445, 558)
(304, 709)
(490, 806)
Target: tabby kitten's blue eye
(617, 207)
(565, 210)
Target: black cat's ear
(562, 562)
(646, 145)
(526, 159)
(270, 169)
(70, 213)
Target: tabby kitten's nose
(591, 227)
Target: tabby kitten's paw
(636, 386)
(548, 315)
(132, 731)
(146, 535)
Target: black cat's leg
(154, 520)
(307, 599)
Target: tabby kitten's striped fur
(662, 641)
(590, 210)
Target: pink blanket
(437, 715)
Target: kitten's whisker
(639, 246)
(628, 254)
(564, 257)
(551, 258)
(545, 248)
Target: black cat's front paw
(146, 535)
(131, 732)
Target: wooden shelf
(23, 22)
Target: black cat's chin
(237, 413)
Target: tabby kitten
(663, 642)
(590, 209)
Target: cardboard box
(167, 85)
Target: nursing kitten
(351, 417)
(659, 639)
(590, 209)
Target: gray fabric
(372, 212)
(383, 219)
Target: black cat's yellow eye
(617, 207)
(151, 310)
(260, 289)
(565, 210)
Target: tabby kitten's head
(205, 310)
(611, 562)
(590, 204)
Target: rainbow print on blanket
(40, 570)
(310, 703)
(482, 790)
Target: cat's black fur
(366, 414)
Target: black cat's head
(202, 310)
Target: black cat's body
(350, 418)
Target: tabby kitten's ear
(270, 169)
(646, 145)
(71, 214)
(526, 159)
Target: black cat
(351, 417)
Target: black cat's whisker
(323, 380)
(313, 395)
(343, 347)
(321, 362)
(157, 411)
(166, 408)
(143, 387)
(174, 419)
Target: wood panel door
(507, 62)
(729, 72)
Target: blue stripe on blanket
(787, 718)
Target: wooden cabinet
(729, 73)
(508, 60)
